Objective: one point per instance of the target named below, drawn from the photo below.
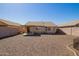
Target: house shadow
(35, 34)
(1, 38)
(60, 32)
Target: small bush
(76, 43)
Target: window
(48, 29)
(36, 28)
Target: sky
(57, 13)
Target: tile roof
(2, 21)
(40, 24)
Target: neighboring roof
(40, 24)
(2, 23)
(72, 23)
(9, 22)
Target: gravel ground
(45, 45)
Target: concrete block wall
(7, 31)
(71, 30)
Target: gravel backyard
(45, 45)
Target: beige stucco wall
(71, 30)
(42, 30)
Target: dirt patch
(44, 45)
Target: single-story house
(11, 24)
(41, 27)
(8, 28)
(71, 28)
